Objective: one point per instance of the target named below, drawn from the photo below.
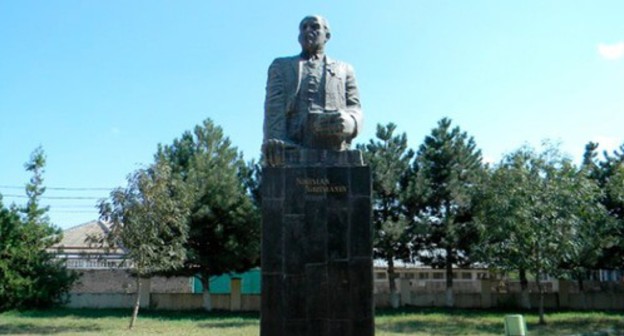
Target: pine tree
(389, 158)
(224, 222)
(444, 177)
(30, 276)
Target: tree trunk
(394, 295)
(449, 297)
(207, 302)
(540, 288)
(581, 285)
(137, 302)
(525, 299)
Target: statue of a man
(311, 101)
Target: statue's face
(312, 34)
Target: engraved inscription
(320, 185)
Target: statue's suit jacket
(281, 119)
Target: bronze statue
(312, 101)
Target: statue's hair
(321, 19)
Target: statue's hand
(338, 123)
(347, 124)
(273, 151)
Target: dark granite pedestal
(317, 246)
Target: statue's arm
(275, 103)
(354, 108)
(275, 136)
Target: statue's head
(313, 33)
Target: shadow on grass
(229, 324)
(438, 321)
(451, 326)
(31, 328)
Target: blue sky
(98, 84)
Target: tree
(251, 177)
(444, 176)
(149, 219)
(35, 189)
(592, 229)
(224, 222)
(389, 158)
(608, 173)
(30, 277)
(535, 212)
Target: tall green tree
(30, 276)
(593, 227)
(389, 158)
(224, 222)
(608, 172)
(35, 214)
(149, 219)
(535, 212)
(445, 174)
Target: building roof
(75, 239)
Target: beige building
(105, 270)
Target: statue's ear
(328, 35)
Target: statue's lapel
(330, 66)
(331, 85)
(295, 67)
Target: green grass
(388, 323)
(480, 322)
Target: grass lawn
(388, 323)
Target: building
(105, 270)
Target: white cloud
(611, 51)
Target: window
(438, 275)
(423, 275)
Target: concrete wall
(588, 301)
(607, 301)
(251, 302)
(104, 281)
(120, 281)
(162, 301)
(566, 298)
(176, 301)
(100, 300)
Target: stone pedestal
(317, 246)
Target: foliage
(34, 213)
(30, 277)
(444, 176)
(537, 212)
(224, 224)
(609, 174)
(251, 175)
(389, 158)
(149, 219)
